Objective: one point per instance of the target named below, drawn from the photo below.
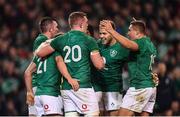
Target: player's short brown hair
(139, 25)
(75, 17)
(44, 24)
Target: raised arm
(44, 49)
(63, 69)
(28, 82)
(129, 44)
(97, 60)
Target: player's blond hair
(139, 25)
(75, 18)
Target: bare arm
(97, 60)
(123, 40)
(28, 76)
(44, 49)
(63, 69)
(28, 82)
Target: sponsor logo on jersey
(84, 108)
(46, 107)
(113, 53)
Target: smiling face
(137, 29)
(105, 36)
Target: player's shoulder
(143, 41)
(89, 37)
(79, 35)
(59, 38)
(40, 38)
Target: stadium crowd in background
(18, 27)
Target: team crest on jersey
(113, 53)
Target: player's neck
(141, 36)
(78, 29)
(48, 35)
(113, 41)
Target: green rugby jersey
(110, 78)
(140, 64)
(75, 48)
(48, 76)
(41, 38)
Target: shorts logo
(112, 104)
(113, 53)
(46, 106)
(84, 106)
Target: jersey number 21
(42, 66)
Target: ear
(50, 30)
(137, 33)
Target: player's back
(48, 76)
(140, 63)
(75, 47)
(39, 39)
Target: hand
(30, 98)
(74, 83)
(106, 25)
(155, 78)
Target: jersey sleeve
(92, 45)
(55, 44)
(125, 53)
(56, 53)
(140, 43)
(34, 59)
(37, 43)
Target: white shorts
(83, 101)
(109, 100)
(139, 100)
(33, 110)
(50, 104)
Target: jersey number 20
(74, 49)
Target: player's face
(132, 33)
(105, 36)
(54, 28)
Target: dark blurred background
(18, 29)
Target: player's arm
(129, 44)
(28, 82)
(63, 69)
(97, 60)
(44, 49)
